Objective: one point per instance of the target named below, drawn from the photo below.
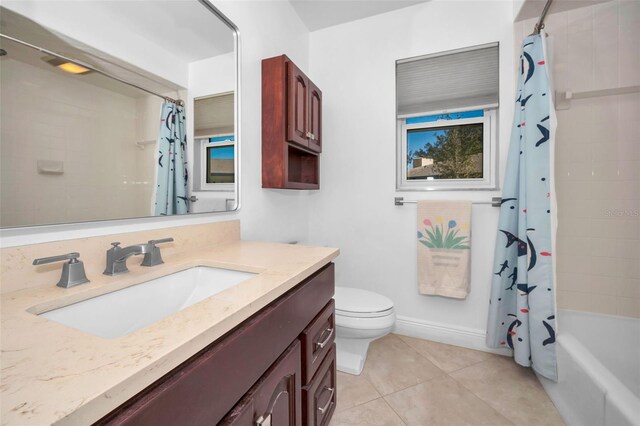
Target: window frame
(204, 145)
(489, 150)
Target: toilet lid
(354, 301)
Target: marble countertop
(55, 374)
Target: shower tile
(572, 282)
(605, 266)
(628, 249)
(575, 300)
(576, 246)
(512, 390)
(571, 264)
(605, 190)
(629, 268)
(580, 67)
(603, 285)
(580, 20)
(574, 227)
(605, 52)
(442, 400)
(629, 34)
(628, 307)
(603, 247)
(567, 171)
(630, 288)
(604, 304)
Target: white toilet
(361, 317)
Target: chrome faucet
(117, 256)
(72, 271)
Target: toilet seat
(364, 314)
(357, 303)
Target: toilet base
(351, 354)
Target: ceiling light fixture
(67, 66)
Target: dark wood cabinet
(291, 126)
(276, 400)
(319, 395)
(255, 369)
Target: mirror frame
(82, 227)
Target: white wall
(267, 29)
(354, 65)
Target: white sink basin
(124, 311)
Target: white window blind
(446, 81)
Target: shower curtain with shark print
(522, 305)
(172, 178)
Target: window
(218, 163)
(446, 120)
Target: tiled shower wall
(50, 116)
(597, 157)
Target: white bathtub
(598, 369)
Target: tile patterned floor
(415, 382)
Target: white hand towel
(444, 248)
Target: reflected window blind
(448, 81)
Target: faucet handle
(72, 271)
(163, 240)
(71, 257)
(115, 244)
(153, 257)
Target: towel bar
(495, 201)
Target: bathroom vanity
(270, 358)
(259, 352)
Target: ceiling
(319, 14)
(185, 28)
(533, 8)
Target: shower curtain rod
(92, 68)
(540, 24)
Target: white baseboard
(445, 333)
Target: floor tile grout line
(395, 412)
(436, 364)
(482, 399)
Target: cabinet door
(297, 106)
(276, 399)
(315, 117)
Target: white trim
(489, 150)
(445, 333)
(204, 143)
(449, 111)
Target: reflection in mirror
(86, 136)
(215, 151)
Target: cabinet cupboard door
(315, 117)
(276, 400)
(297, 105)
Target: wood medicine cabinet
(291, 126)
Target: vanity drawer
(319, 396)
(317, 340)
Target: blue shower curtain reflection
(171, 190)
(522, 304)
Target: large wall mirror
(87, 136)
